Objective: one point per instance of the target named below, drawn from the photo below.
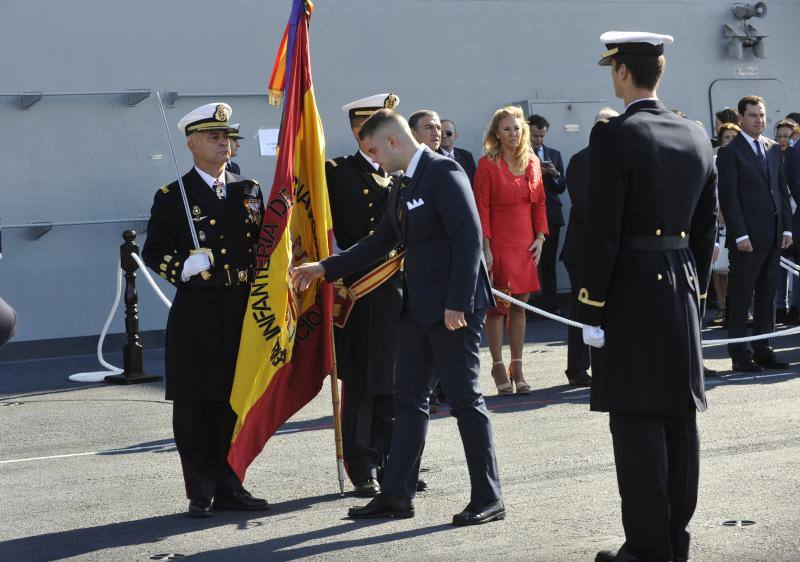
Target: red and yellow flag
(285, 351)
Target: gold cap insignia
(221, 114)
(391, 101)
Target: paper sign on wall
(268, 141)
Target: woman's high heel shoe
(522, 386)
(500, 376)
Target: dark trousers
(425, 355)
(366, 431)
(658, 469)
(547, 268)
(203, 436)
(753, 276)
(578, 359)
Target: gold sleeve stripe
(583, 296)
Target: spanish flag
(285, 351)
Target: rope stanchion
(705, 343)
(117, 374)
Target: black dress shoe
(477, 514)
(200, 508)
(384, 505)
(240, 501)
(580, 379)
(747, 366)
(421, 485)
(771, 363)
(368, 488)
(620, 556)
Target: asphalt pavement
(90, 472)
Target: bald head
(388, 140)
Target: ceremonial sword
(206, 275)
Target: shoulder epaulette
(165, 188)
(332, 162)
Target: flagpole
(337, 419)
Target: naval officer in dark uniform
(366, 344)
(205, 321)
(646, 261)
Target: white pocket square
(414, 203)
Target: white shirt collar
(451, 154)
(412, 165)
(368, 159)
(637, 101)
(209, 179)
(750, 140)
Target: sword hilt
(206, 275)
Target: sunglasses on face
(447, 133)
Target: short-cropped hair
(727, 115)
(538, 121)
(417, 116)
(749, 100)
(646, 70)
(378, 119)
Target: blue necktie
(761, 159)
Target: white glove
(594, 336)
(194, 264)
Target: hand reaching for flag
(303, 275)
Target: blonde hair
(491, 140)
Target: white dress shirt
(209, 179)
(412, 165)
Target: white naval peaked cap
(632, 43)
(233, 131)
(209, 117)
(367, 106)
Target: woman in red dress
(511, 204)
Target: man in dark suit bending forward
(431, 212)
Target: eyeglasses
(447, 133)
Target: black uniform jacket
(652, 186)
(753, 204)
(577, 179)
(365, 347)
(205, 321)
(441, 234)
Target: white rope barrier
(705, 343)
(152, 282)
(99, 376)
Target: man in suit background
(554, 184)
(366, 345)
(758, 219)
(432, 213)
(577, 179)
(448, 148)
(426, 128)
(651, 225)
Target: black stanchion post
(132, 352)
